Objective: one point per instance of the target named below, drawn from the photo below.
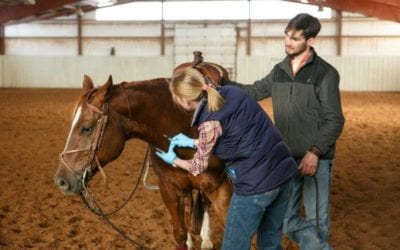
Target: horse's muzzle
(68, 185)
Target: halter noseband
(93, 147)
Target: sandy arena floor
(34, 214)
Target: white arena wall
(358, 73)
(44, 54)
(68, 71)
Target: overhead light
(105, 3)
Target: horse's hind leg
(205, 232)
(201, 220)
(220, 201)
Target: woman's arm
(209, 132)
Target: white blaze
(74, 122)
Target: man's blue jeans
(305, 231)
(262, 213)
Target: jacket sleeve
(332, 121)
(259, 90)
(209, 132)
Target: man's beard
(296, 52)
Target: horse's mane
(156, 87)
(156, 81)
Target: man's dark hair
(306, 23)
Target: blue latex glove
(167, 157)
(182, 140)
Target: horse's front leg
(174, 200)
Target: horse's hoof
(184, 247)
(206, 244)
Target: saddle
(211, 71)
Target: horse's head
(85, 150)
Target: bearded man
(308, 113)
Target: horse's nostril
(62, 184)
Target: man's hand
(182, 140)
(309, 164)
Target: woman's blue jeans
(262, 213)
(305, 231)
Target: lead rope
(146, 172)
(96, 209)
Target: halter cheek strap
(92, 148)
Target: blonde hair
(190, 83)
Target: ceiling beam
(382, 9)
(16, 12)
(395, 3)
(387, 10)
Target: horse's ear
(87, 83)
(109, 80)
(102, 93)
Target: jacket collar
(285, 63)
(200, 106)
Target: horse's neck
(149, 113)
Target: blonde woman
(233, 126)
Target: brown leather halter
(93, 147)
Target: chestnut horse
(107, 116)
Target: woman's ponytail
(190, 84)
(214, 99)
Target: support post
(79, 38)
(2, 40)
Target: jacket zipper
(290, 113)
(291, 91)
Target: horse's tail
(198, 213)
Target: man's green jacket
(307, 107)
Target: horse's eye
(86, 130)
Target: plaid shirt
(209, 132)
